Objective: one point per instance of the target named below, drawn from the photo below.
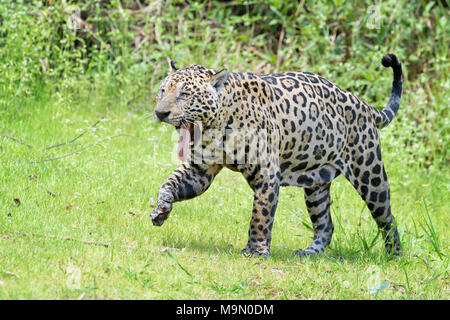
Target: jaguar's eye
(183, 95)
(160, 93)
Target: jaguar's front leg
(266, 186)
(186, 182)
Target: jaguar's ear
(171, 65)
(219, 79)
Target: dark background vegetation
(58, 46)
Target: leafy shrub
(65, 43)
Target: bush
(62, 44)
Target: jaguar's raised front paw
(161, 212)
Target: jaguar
(306, 131)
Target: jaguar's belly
(319, 176)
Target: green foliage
(59, 44)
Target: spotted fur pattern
(315, 132)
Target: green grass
(79, 226)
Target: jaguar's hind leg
(373, 186)
(318, 204)
(378, 201)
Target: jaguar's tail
(384, 117)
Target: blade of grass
(179, 264)
(428, 229)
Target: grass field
(79, 227)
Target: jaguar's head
(189, 96)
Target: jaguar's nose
(161, 115)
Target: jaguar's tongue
(184, 141)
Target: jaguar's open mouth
(186, 133)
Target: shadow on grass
(338, 255)
(210, 246)
(335, 254)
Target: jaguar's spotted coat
(314, 132)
